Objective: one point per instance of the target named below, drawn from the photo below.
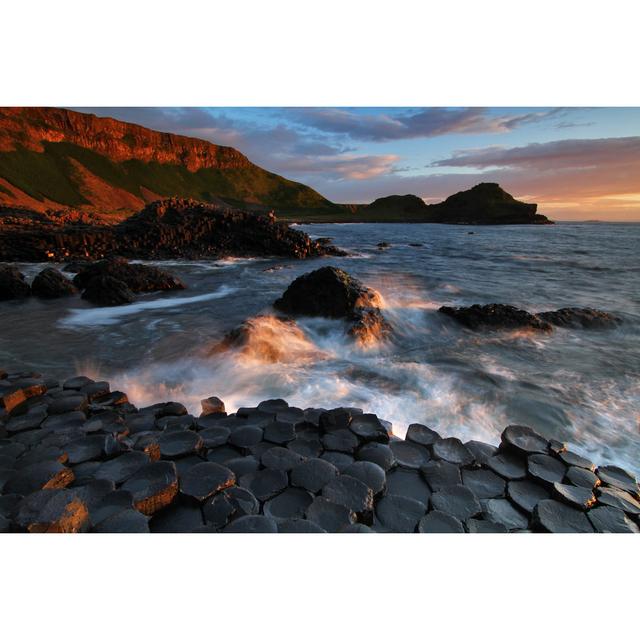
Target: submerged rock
(107, 292)
(50, 283)
(495, 316)
(584, 318)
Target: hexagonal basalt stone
(484, 483)
(265, 484)
(524, 440)
(292, 415)
(457, 500)
(222, 454)
(110, 504)
(380, 454)
(508, 466)
(369, 428)
(421, 434)
(357, 527)
(581, 477)
(313, 474)
(577, 497)
(243, 465)
(330, 516)
(120, 469)
(335, 419)
(65, 404)
(281, 459)
(245, 436)
(503, 512)
(485, 526)
(440, 474)
(85, 449)
(306, 447)
(153, 487)
(125, 521)
(252, 524)
(64, 512)
(205, 479)
(399, 514)
(619, 478)
(279, 432)
(339, 460)
(611, 520)
(408, 483)
(214, 436)
(452, 450)
(41, 475)
(556, 517)
(292, 503)
(526, 494)
(229, 504)
(341, 440)
(573, 459)
(481, 451)
(369, 473)
(546, 469)
(183, 443)
(439, 522)
(177, 518)
(299, 526)
(349, 492)
(619, 499)
(273, 406)
(409, 455)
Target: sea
(575, 385)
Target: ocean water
(575, 385)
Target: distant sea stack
(486, 203)
(57, 159)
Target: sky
(576, 163)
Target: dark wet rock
(110, 504)
(281, 459)
(214, 436)
(341, 440)
(369, 473)
(334, 419)
(41, 475)
(440, 522)
(292, 503)
(349, 492)
(85, 472)
(421, 434)
(273, 405)
(524, 440)
(230, 504)
(138, 278)
(619, 499)
(125, 521)
(339, 460)
(12, 283)
(577, 497)
(556, 517)
(573, 459)
(205, 479)
(581, 477)
(330, 516)
(313, 474)
(50, 283)
(66, 404)
(557, 447)
(481, 451)
(484, 483)
(619, 478)
(107, 292)
(526, 494)
(495, 316)
(153, 486)
(306, 447)
(279, 432)
(611, 520)
(299, 526)
(212, 405)
(508, 466)
(265, 484)
(357, 527)
(452, 450)
(26, 422)
(164, 409)
(503, 512)
(582, 318)
(399, 513)
(292, 415)
(409, 455)
(380, 454)
(177, 518)
(485, 526)
(170, 424)
(368, 428)
(85, 449)
(457, 500)
(243, 465)
(409, 483)
(246, 436)
(9, 504)
(58, 512)
(440, 474)
(546, 469)
(182, 443)
(222, 454)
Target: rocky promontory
(77, 456)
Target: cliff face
(56, 158)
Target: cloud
(424, 123)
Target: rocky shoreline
(76, 456)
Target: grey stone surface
(409, 455)
(205, 479)
(545, 468)
(611, 520)
(349, 492)
(555, 517)
(313, 474)
(502, 512)
(408, 483)
(292, 503)
(526, 494)
(379, 453)
(399, 513)
(524, 440)
(439, 522)
(456, 500)
(440, 474)
(452, 450)
(484, 483)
